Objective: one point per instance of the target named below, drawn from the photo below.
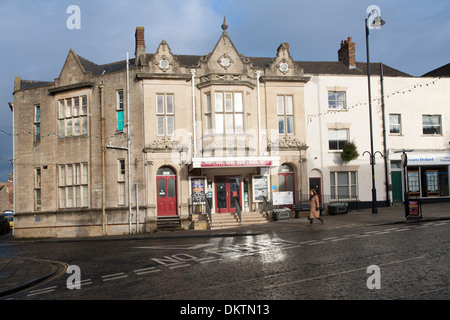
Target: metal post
(372, 155)
(128, 144)
(136, 185)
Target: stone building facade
(109, 153)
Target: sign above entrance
(236, 163)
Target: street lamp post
(377, 22)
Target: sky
(36, 35)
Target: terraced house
(201, 141)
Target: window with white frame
(228, 112)
(37, 123)
(72, 116)
(285, 112)
(37, 189)
(343, 185)
(337, 100)
(121, 180)
(73, 185)
(165, 111)
(119, 110)
(337, 138)
(395, 123)
(431, 124)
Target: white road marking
(114, 276)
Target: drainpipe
(386, 173)
(102, 121)
(194, 124)
(258, 75)
(128, 144)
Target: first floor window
(395, 124)
(119, 110)
(431, 124)
(73, 185)
(165, 111)
(37, 123)
(285, 113)
(337, 138)
(337, 100)
(72, 116)
(228, 112)
(343, 185)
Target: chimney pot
(346, 53)
(140, 46)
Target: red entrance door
(167, 196)
(228, 194)
(286, 182)
(316, 184)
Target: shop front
(427, 174)
(228, 186)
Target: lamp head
(378, 22)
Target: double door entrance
(228, 193)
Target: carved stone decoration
(225, 61)
(165, 145)
(286, 143)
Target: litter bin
(281, 214)
(338, 208)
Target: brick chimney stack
(346, 53)
(140, 46)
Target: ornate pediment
(165, 145)
(286, 143)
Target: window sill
(337, 110)
(433, 135)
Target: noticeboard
(260, 188)
(283, 198)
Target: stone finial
(224, 25)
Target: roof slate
(192, 61)
(443, 71)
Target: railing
(327, 199)
(237, 206)
(265, 207)
(200, 204)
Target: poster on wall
(198, 190)
(260, 188)
(283, 198)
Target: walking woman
(314, 211)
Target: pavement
(18, 273)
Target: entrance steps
(231, 220)
(168, 223)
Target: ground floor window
(73, 185)
(343, 185)
(427, 181)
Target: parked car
(9, 215)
